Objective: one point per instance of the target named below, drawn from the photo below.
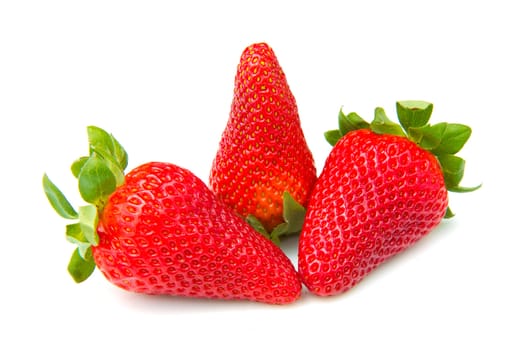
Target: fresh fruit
(160, 230)
(263, 152)
(383, 187)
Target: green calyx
(293, 215)
(98, 175)
(443, 140)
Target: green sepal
(453, 168)
(428, 136)
(351, 122)
(105, 145)
(413, 114)
(293, 215)
(449, 214)
(257, 225)
(332, 136)
(103, 171)
(57, 199)
(96, 181)
(347, 123)
(277, 232)
(81, 268)
(383, 125)
(77, 166)
(88, 221)
(453, 138)
(441, 138)
(75, 235)
(462, 189)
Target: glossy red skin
(164, 232)
(376, 196)
(263, 151)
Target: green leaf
(77, 166)
(351, 122)
(120, 154)
(449, 214)
(453, 168)
(413, 114)
(293, 214)
(332, 136)
(257, 225)
(118, 173)
(453, 138)
(427, 137)
(96, 181)
(79, 268)
(347, 123)
(106, 146)
(462, 189)
(88, 221)
(57, 200)
(75, 235)
(278, 231)
(100, 142)
(383, 125)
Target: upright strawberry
(160, 230)
(263, 152)
(382, 188)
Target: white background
(159, 75)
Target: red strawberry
(380, 191)
(263, 152)
(160, 230)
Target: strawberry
(263, 152)
(383, 187)
(160, 230)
